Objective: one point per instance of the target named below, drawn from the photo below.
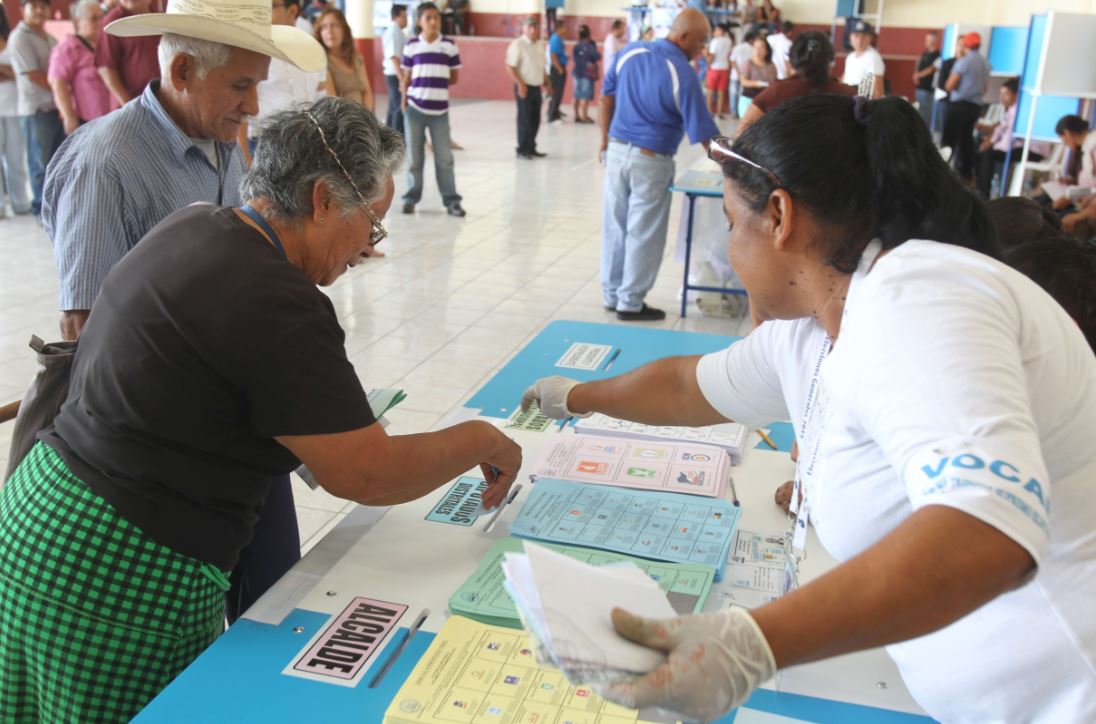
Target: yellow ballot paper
(473, 672)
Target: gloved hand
(550, 393)
(716, 660)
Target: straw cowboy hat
(239, 23)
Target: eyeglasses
(719, 150)
(378, 232)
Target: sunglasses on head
(719, 150)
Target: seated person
(1079, 169)
(998, 139)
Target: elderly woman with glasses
(210, 363)
(944, 407)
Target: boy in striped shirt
(430, 65)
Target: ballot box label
(461, 504)
(584, 356)
(339, 653)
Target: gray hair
(78, 8)
(207, 55)
(290, 157)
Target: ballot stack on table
(617, 515)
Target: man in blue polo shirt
(650, 98)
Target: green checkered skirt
(96, 618)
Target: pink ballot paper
(646, 465)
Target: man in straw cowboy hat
(172, 146)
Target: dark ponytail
(865, 170)
(811, 55)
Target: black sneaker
(647, 314)
(456, 210)
(539, 154)
(408, 207)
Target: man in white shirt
(393, 56)
(286, 86)
(614, 41)
(525, 66)
(781, 43)
(864, 59)
(719, 69)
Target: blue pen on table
(399, 648)
(612, 359)
(502, 506)
(565, 422)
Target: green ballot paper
(483, 598)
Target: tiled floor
(454, 298)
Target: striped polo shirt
(115, 178)
(430, 65)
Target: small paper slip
(685, 468)
(478, 673)
(1057, 190)
(730, 435)
(381, 400)
(532, 420)
(755, 571)
(566, 606)
(655, 525)
(483, 596)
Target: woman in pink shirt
(78, 89)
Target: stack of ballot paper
(730, 436)
(565, 606)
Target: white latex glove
(550, 394)
(715, 661)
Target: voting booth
(1054, 79)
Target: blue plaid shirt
(117, 177)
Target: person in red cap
(966, 87)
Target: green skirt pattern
(96, 618)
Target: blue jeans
(925, 100)
(394, 118)
(635, 214)
(13, 153)
(415, 124)
(44, 133)
(736, 93)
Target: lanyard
(811, 432)
(258, 219)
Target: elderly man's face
(532, 31)
(217, 104)
(87, 22)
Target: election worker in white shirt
(944, 407)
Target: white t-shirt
(611, 48)
(740, 55)
(392, 47)
(857, 66)
(955, 381)
(286, 87)
(720, 48)
(781, 45)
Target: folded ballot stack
(565, 607)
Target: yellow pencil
(767, 439)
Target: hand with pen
(550, 394)
(500, 472)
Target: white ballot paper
(565, 605)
